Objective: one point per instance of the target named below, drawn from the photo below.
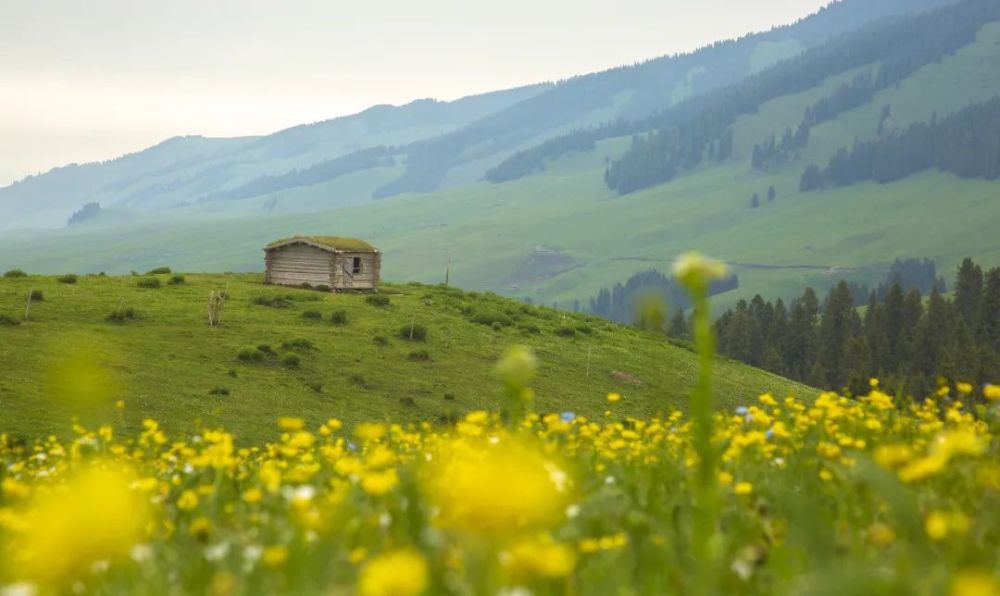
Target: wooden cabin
(332, 261)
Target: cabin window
(356, 266)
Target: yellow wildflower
(614, 397)
(743, 488)
(274, 556)
(188, 500)
(538, 558)
(291, 423)
(397, 573)
(97, 517)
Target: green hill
(169, 364)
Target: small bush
(490, 319)
(291, 361)
(122, 315)
(316, 387)
(339, 317)
(496, 326)
(176, 280)
(265, 349)
(419, 356)
(381, 341)
(159, 271)
(69, 278)
(232, 373)
(15, 273)
(219, 391)
(408, 401)
(323, 288)
(37, 296)
(584, 329)
(272, 301)
(449, 396)
(358, 380)
(315, 315)
(250, 355)
(298, 344)
(529, 328)
(565, 331)
(415, 332)
(378, 300)
(149, 283)
(8, 321)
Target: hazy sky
(83, 80)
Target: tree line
(965, 143)
(899, 49)
(645, 292)
(900, 337)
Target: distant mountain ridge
(428, 144)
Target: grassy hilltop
(169, 364)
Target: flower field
(839, 495)
(877, 494)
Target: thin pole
(27, 306)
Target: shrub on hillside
(122, 315)
(298, 344)
(272, 301)
(315, 315)
(291, 361)
(564, 331)
(219, 391)
(250, 355)
(36, 296)
(419, 356)
(8, 321)
(529, 328)
(149, 283)
(176, 280)
(339, 317)
(378, 300)
(159, 271)
(69, 278)
(413, 332)
(15, 273)
(380, 341)
(490, 318)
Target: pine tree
(989, 326)
(754, 201)
(835, 334)
(969, 292)
(678, 328)
(771, 193)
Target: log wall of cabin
(345, 278)
(296, 264)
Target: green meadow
(68, 360)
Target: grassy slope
(166, 362)
(490, 230)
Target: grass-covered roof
(331, 242)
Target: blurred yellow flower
(274, 556)
(188, 500)
(991, 391)
(496, 488)
(743, 488)
(397, 573)
(94, 517)
(290, 423)
(695, 270)
(538, 558)
(974, 583)
(614, 397)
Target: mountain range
(554, 190)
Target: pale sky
(86, 80)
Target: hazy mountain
(423, 145)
